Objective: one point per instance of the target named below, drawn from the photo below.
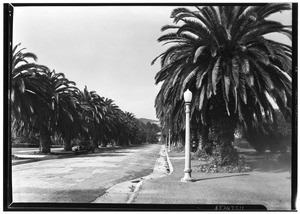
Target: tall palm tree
(132, 129)
(88, 113)
(65, 119)
(117, 124)
(223, 56)
(106, 128)
(101, 125)
(29, 90)
(98, 115)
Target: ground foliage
(213, 165)
(179, 149)
(218, 162)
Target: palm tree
(102, 125)
(223, 56)
(48, 104)
(88, 113)
(116, 124)
(98, 115)
(133, 131)
(65, 119)
(29, 90)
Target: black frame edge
(294, 184)
(7, 52)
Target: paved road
(82, 178)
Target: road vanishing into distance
(81, 178)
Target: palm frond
(198, 52)
(168, 27)
(215, 75)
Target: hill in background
(145, 121)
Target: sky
(109, 49)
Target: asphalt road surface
(81, 178)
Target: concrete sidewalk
(270, 187)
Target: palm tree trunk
(222, 127)
(206, 144)
(181, 137)
(45, 141)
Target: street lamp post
(169, 146)
(187, 170)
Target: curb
(169, 163)
(135, 192)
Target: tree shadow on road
(107, 151)
(106, 155)
(96, 155)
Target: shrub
(219, 161)
(215, 165)
(200, 154)
(26, 140)
(179, 149)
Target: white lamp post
(187, 170)
(169, 146)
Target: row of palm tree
(222, 55)
(47, 104)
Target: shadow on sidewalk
(226, 176)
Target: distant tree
(151, 132)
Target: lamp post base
(187, 178)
